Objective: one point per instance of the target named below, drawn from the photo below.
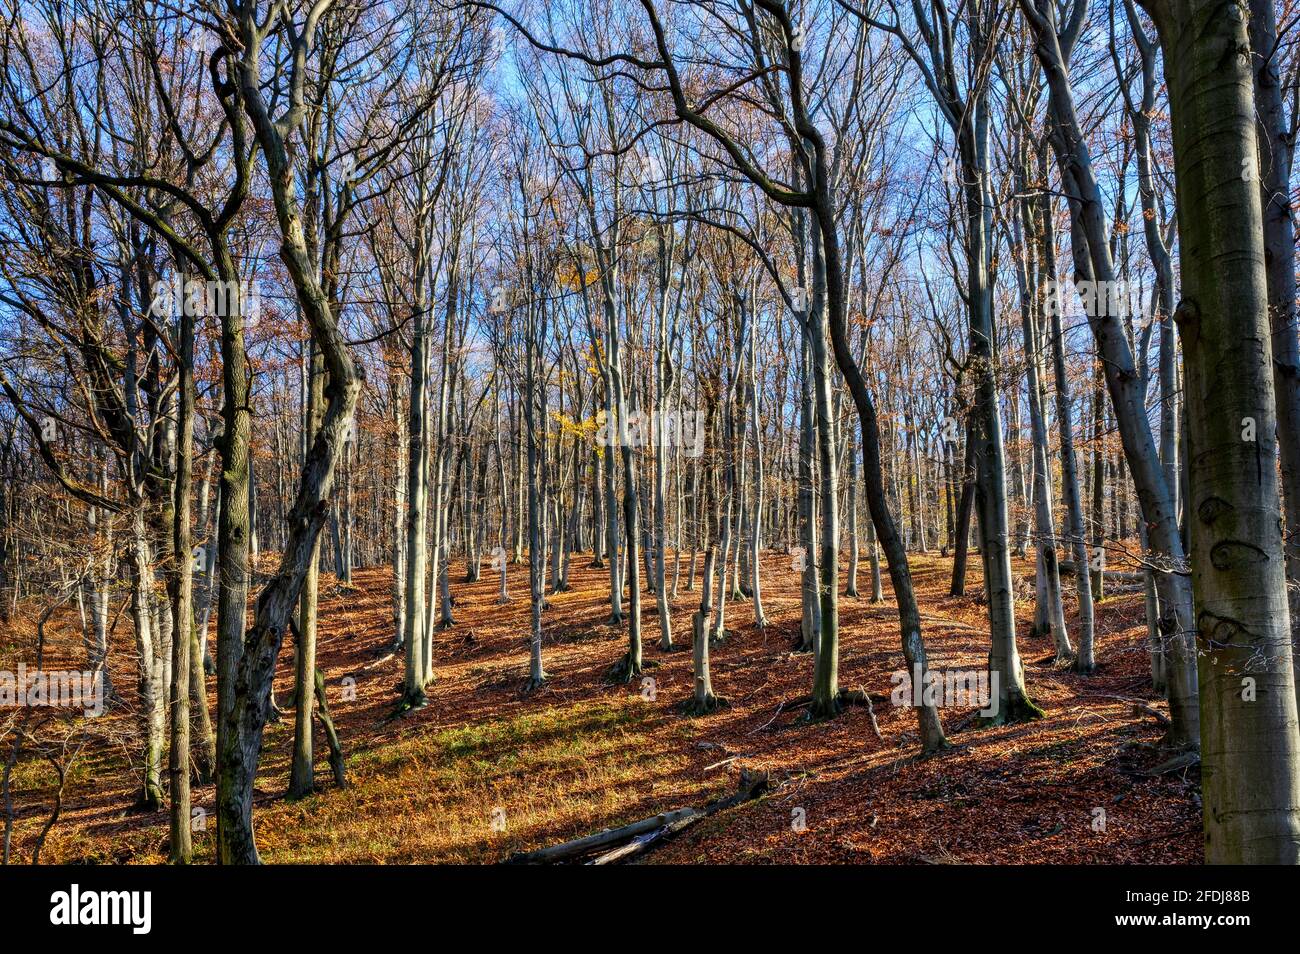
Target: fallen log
(581, 847)
(641, 835)
(643, 843)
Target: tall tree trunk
(1276, 155)
(302, 768)
(1050, 609)
(1070, 489)
(152, 700)
(1005, 665)
(1250, 747)
(417, 494)
(182, 586)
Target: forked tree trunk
(242, 741)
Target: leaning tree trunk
(1095, 266)
(1142, 116)
(900, 574)
(246, 721)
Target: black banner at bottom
(333, 905)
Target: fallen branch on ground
(641, 835)
(1108, 576)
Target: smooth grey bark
(965, 506)
(417, 457)
(826, 688)
(703, 700)
(534, 392)
(1250, 749)
(964, 110)
(810, 625)
(990, 458)
(851, 587)
(1276, 141)
(820, 200)
(152, 699)
(756, 513)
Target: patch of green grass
(542, 775)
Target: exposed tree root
(410, 702)
(625, 670)
(931, 749)
(1141, 708)
(703, 707)
(843, 699)
(1019, 708)
(147, 801)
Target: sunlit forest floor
(486, 770)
